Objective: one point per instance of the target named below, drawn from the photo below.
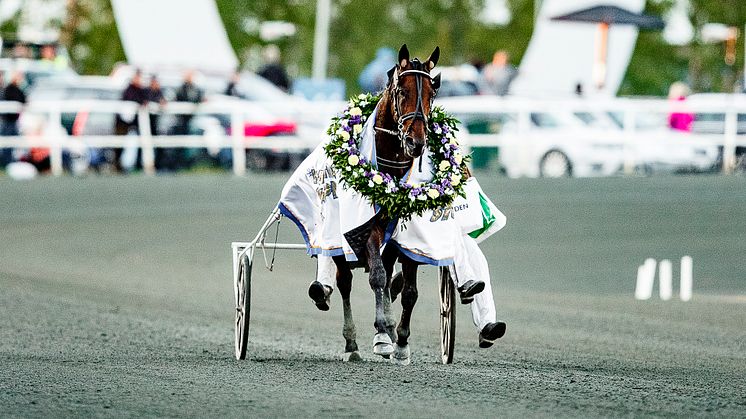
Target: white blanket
(315, 199)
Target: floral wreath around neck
(396, 197)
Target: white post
(55, 143)
(645, 278)
(685, 286)
(524, 143)
(665, 279)
(321, 39)
(239, 150)
(729, 140)
(146, 141)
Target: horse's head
(412, 90)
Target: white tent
(561, 54)
(174, 34)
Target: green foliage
(655, 64)
(359, 28)
(90, 33)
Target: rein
(418, 114)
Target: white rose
(433, 193)
(344, 135)
(455, 179)
(357, 129)
(444, 165)
(458, 158)
(356, 111)
(377, 179)
(353, 160)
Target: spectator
(154, 95)
(232, 88)
(14, 93)
(373, 78)
(172, 159)
(499, 73)
(678, 120)
(187, 92)
(127, 122)
(272, 69)
(50, 58)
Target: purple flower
(347, 128)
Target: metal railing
(522, 109)
(146, 141)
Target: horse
(401, 128)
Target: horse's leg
(408, 300)
(382, 342)
(344, 285)
(388, 257)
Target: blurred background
(544, 88)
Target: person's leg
(483, 306)
(321, 288)
(467, 282)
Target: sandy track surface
(116, 301)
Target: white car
(541, 143)
(543, 139)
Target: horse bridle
(418, 114)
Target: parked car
(213, 119)
(555, 142)
(713, 124)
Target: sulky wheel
(243, 306)
(447, 315)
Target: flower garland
(396, 197)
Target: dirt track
(116, 301)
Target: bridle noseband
(418, 114)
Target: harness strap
(394, 164)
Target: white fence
(522, 109)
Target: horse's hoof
(401, 355)
(382, 344)
(353, 356)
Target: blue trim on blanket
(423, 259)
(312, 251)
(286, 212)
(390, 230)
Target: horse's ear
(436, 82)
(433, 58)
(403, 56)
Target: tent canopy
(613, 15)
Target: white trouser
(326, 271)
(470, 264)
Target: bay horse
(401, 128)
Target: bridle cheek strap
(419, 113)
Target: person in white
(472, 279)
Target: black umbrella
(605, 16)
(613, 15)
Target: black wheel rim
(447, 316)
(243, 299)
